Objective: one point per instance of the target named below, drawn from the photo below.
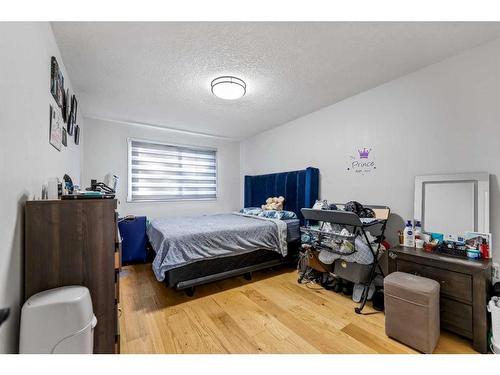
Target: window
(162, 172)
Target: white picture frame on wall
(56, 124)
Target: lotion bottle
(418, 230)
(409, 235)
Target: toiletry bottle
(484, 249)
(418, 230)
(409, 236)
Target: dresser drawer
(456, 316)
(453, 284)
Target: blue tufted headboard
(300, 189)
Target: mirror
(453, 204)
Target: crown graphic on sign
(363, 154)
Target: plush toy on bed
(274, 203)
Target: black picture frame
(56, 82)
(66, 107)
(54, 73)
(72, 115)
(64, 138)
(77, 135)
(70, 125)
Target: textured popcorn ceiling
(160, 73)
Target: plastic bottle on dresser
(418, 230)
(409, 235)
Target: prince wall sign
(362, 162)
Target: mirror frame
(482, 190)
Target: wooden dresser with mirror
(453, 204)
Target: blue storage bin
(134, 240)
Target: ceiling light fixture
(228, 87)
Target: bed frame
(300, 189)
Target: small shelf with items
(337, 242)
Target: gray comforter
(182, 240)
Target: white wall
(441, 119)
(105, 151)
(27, 159)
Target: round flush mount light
(228, 87)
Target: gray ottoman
(412, 310)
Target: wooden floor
(270, 314)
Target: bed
(190, 251)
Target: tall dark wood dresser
(75, 242)
(464, 291)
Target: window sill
(172, 200)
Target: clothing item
(359, 252)
(320, 205)
(270, 214)
(357, 292)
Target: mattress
(181, 241)
(292, 230)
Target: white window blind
(161, 172)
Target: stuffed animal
(274, 203)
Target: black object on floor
(378, 299)
(189, 291)
(331, 283)
(347, 288)
(337, 286)
(4, 314)
(496, 289)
